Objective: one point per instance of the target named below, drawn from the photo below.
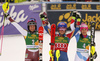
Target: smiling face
(62, 32)
(84, 31)
(32, 28)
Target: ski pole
(5, 8)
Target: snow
(14, 48)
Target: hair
(35, 29)
(81, 36)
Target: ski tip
(40, 27)
(40, 30)
(93, 23)
(53, 25)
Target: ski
(40, 30)
(53, 29)
(92, 48)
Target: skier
(62, 40)
(83, 43)
(31, 38)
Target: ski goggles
(62, 29)
(31, 23)
(32, 19)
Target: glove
(43, 16)
(8, 17)
(95, 55)
(78, 16)
(74, 13)
(6, 14)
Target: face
(84, 31)
(62, 32)
(32, 28)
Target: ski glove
(94, 55)
(6, 15)
(78, 15)
(74, 13)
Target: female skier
(63, 39)
(31, 38)
(83, 43)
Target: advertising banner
(58, 12)
(20, 14)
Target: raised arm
(17, 26)
(73, 20)
(75, 30)
(44, 19)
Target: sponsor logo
(88, 18)
(32, 46)
(65, 18)
(17, 16)
(32, 7)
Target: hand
(6, 14)
(94, 55)
(43, 16)
(78, 15)
(74, 13)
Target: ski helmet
(32, 21)
(83, 25)
(62, 26)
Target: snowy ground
(14, 48)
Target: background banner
(21, 14)
(62, 12)
(75, 5)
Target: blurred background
(17, 1)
